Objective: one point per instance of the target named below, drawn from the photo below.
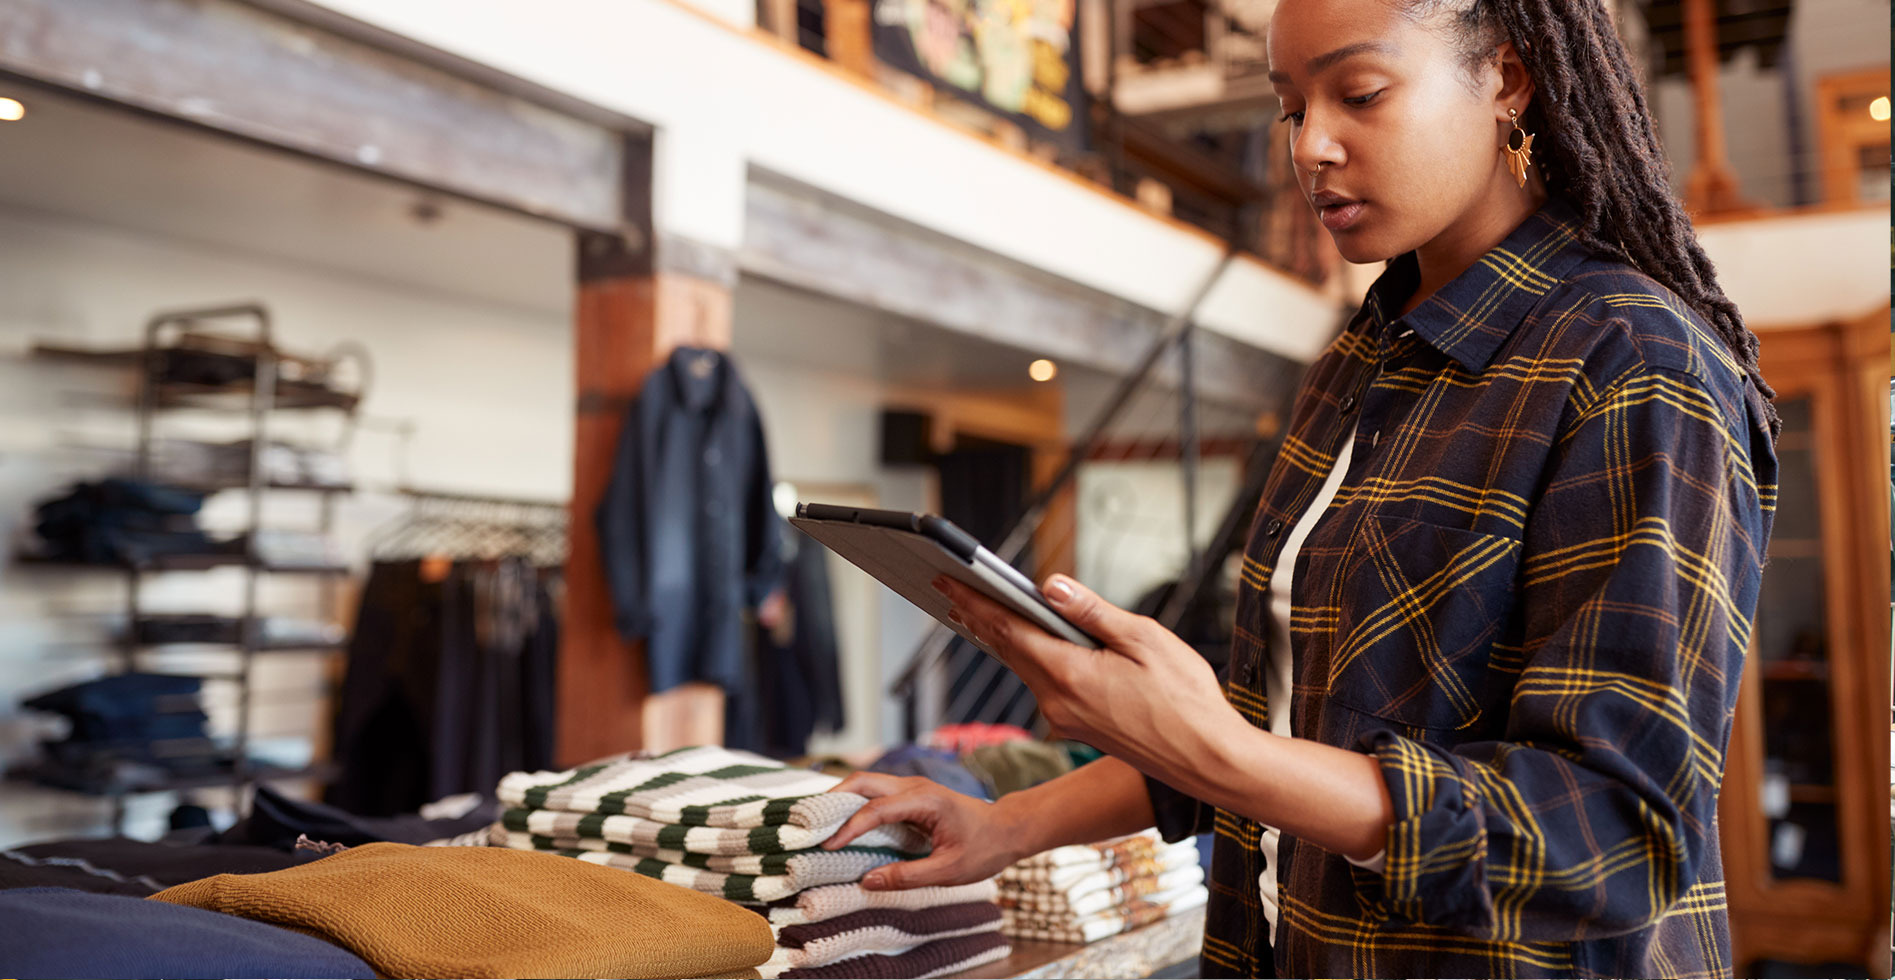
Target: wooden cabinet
(1805, 808)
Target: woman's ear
(1516, 83)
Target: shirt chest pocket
(1418, 608)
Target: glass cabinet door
(1791, 655)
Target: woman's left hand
(1147, 698)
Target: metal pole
(1188, 447)
(262, 400)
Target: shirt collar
(698, 375)
(1471, 316)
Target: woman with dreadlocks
(1495, 603)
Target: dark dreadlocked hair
(1601, 148)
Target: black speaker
(905, 438)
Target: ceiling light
(1042, 370)
(11, 110)
(1878, 110)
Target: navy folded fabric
(276, 820)
(59, 932)
(117, 866)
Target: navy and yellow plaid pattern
(1531, 601)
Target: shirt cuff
(1435, 859)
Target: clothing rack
(441, 524)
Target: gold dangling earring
(1519, 148)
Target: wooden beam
(1712, 185)
(265, 78)
(799, 236)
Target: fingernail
(940, 584)
(1058, 588)
(874, 881)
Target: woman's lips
(1340, 214)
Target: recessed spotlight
(11, 110)
(1042, 370)
(1878, 110)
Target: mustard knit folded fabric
(492, 912)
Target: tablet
(907, 551)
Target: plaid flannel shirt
(1530, 601)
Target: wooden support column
(1712, 185)
(631, 312)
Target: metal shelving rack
(263, 393)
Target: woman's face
(1405, 140)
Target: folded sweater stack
(1084, 893)
(848, 931)
(727, 823)
(749, 829)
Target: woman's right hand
(971, 842)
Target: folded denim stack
(732, 824)
(126, 730)
(1085, 893)
(848, 931)
(119, 521)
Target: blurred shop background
(321, 322)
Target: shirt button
(1247, 671)
(1348, 404)
(1275, 528)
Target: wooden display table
(1152, 951)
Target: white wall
(1800, 270)
(487, 388)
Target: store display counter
(1162, 949)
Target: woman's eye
(1293, 117)
(1362, 100)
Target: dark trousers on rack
(434, 704)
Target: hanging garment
(796, 689)
(444, 693)
(687, 530)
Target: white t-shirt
(1276, 673)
